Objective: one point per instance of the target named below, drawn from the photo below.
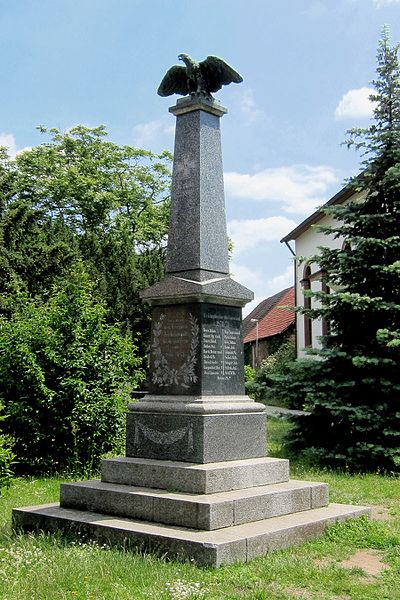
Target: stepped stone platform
(233, 511)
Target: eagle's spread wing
(174, 82)
(216, 73)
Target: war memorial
(195, 482)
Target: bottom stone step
(212, 548)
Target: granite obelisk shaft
(197, 238)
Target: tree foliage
(66, 378)
(7, 457)
(354, 390)
(273, 369)
(83, 224)
(82, 197)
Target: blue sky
(307, 67)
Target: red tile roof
(260, 311)
(274, 316)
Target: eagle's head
(185, 58)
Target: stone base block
(197, 511)
(212, 548)
(193, 477)
(195, 438)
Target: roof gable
(273, 316)
(343, 195)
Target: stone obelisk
(197, 410)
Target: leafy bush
(278, 362)
(347, 428)
(272, 368)
(7, 458)
(249, 373)
(66, 379)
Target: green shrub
(275, 366)
(7, 457)
(249, 373)
(279, 362)
(341, 425)
(66, 379)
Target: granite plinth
(189, 104)
(198, 438)
(208, 548)
(194, 477)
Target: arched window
(346, 246)
(326, 329)
(306, 282)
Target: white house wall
(307, 245)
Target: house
(268, 326)
(307, 238)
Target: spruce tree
(353, 391)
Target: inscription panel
(222, 350)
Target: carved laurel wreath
(164, 438)
(163, 374)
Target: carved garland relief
(165, 375)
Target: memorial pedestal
(196, 410)
(194, 482)
(195, 438)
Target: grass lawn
(51, 568)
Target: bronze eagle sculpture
(198, 78)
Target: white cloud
(25, 149)
(247, 276)
(249, 107)
(153, 135)
(383, 3)
(253, 279)
(297, 189)
(282, 281)
(355, 104)
(249, 233)
(8, 140)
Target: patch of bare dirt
(380, 513)
(299, 593)
(306, 595)
(323, 562)
(370, 561)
